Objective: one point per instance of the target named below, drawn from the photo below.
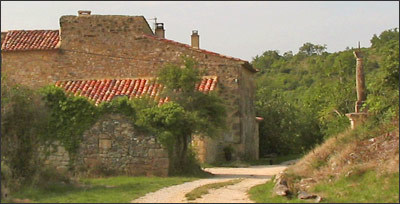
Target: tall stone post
(360, 82)
(359, 116)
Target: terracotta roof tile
(30, 40)
(106, 89)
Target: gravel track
(236, 193)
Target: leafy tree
(189, 113)
(309, 49)
(383, 83)
(304, 98)
(23, 131)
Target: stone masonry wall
(249, 126)
(114, 145)
(58, 157)
(98, 47)
(30, 68)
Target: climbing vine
(72, 115)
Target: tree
(24, 120)
(189, 113)
(309, 49)
(383, 83)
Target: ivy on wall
(72, 115)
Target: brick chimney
(195, 39)
(84, 13)
(160, 32)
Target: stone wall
(112, 145)
(98, 47)
(31, 68)
(58, 157)
(249, 127)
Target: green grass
(364, 188)
(122, 189)
(202, 190)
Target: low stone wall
(113, 145)
(58, 157)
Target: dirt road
(237, 193)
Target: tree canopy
(304, 97)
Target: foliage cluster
(22, 133)
(72, 115)
(189, 113)
(303, 98)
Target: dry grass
(350, 153)
(319, 157)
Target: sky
(241, 29)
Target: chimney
(84, 13)
(160, 32)
(195, 39)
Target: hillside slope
(356, 166)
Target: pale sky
(240, 29)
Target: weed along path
(234, 193)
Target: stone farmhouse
(104, 56)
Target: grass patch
(202, 190)
(368, 187)
(263, 194)
(121, 189)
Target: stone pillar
(360, 82)
(359, 116)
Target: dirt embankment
(347, 154)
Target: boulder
(281, 190)
(304, 195)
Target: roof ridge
(195, 49)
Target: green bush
(23, 130)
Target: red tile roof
(190, 47)
(30, 40)
(106, 89)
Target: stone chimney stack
(195, 39)
(84, 13)
(160, 32)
